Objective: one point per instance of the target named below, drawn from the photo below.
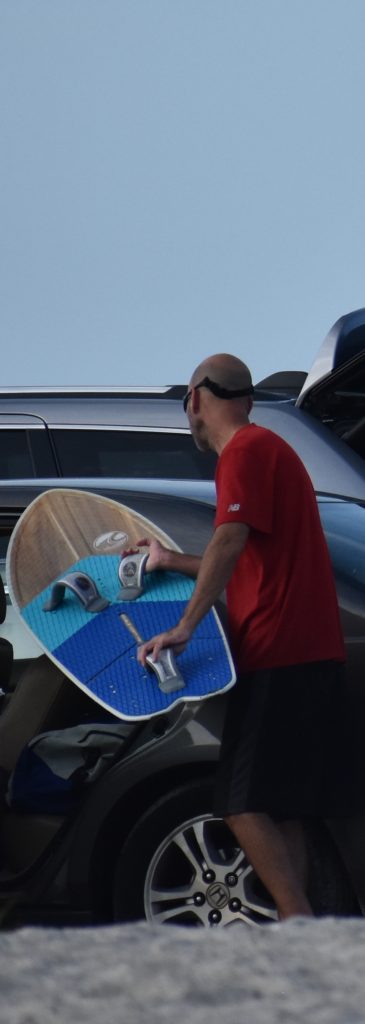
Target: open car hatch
(334, 389)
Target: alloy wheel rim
(199, 876)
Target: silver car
(139, 438)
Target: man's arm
(215, 570)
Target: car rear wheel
(181, 865)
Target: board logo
(116, 540)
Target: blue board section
(99, 651)
(135, 692)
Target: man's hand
(158, 555)
(177, 638)
(168, 559)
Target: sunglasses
(216, 390)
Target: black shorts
(286, 746)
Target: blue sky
(178, 177)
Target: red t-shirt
(281, 598)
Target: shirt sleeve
(245, 485)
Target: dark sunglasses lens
(186, 400)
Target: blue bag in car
(55, 767)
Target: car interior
(38, 700)
(341, 406)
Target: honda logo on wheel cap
(218, 895)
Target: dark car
(141, 841)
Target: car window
(15, 455)
(25, 453)
(127, 453)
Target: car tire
(329, 886)
(180, 865)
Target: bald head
(213, 416)
(224, 369)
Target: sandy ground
(302, 971)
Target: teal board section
(52, 628)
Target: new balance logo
(233, 508)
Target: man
(279, 754)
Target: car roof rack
(170, 391)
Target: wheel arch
(91, 875)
